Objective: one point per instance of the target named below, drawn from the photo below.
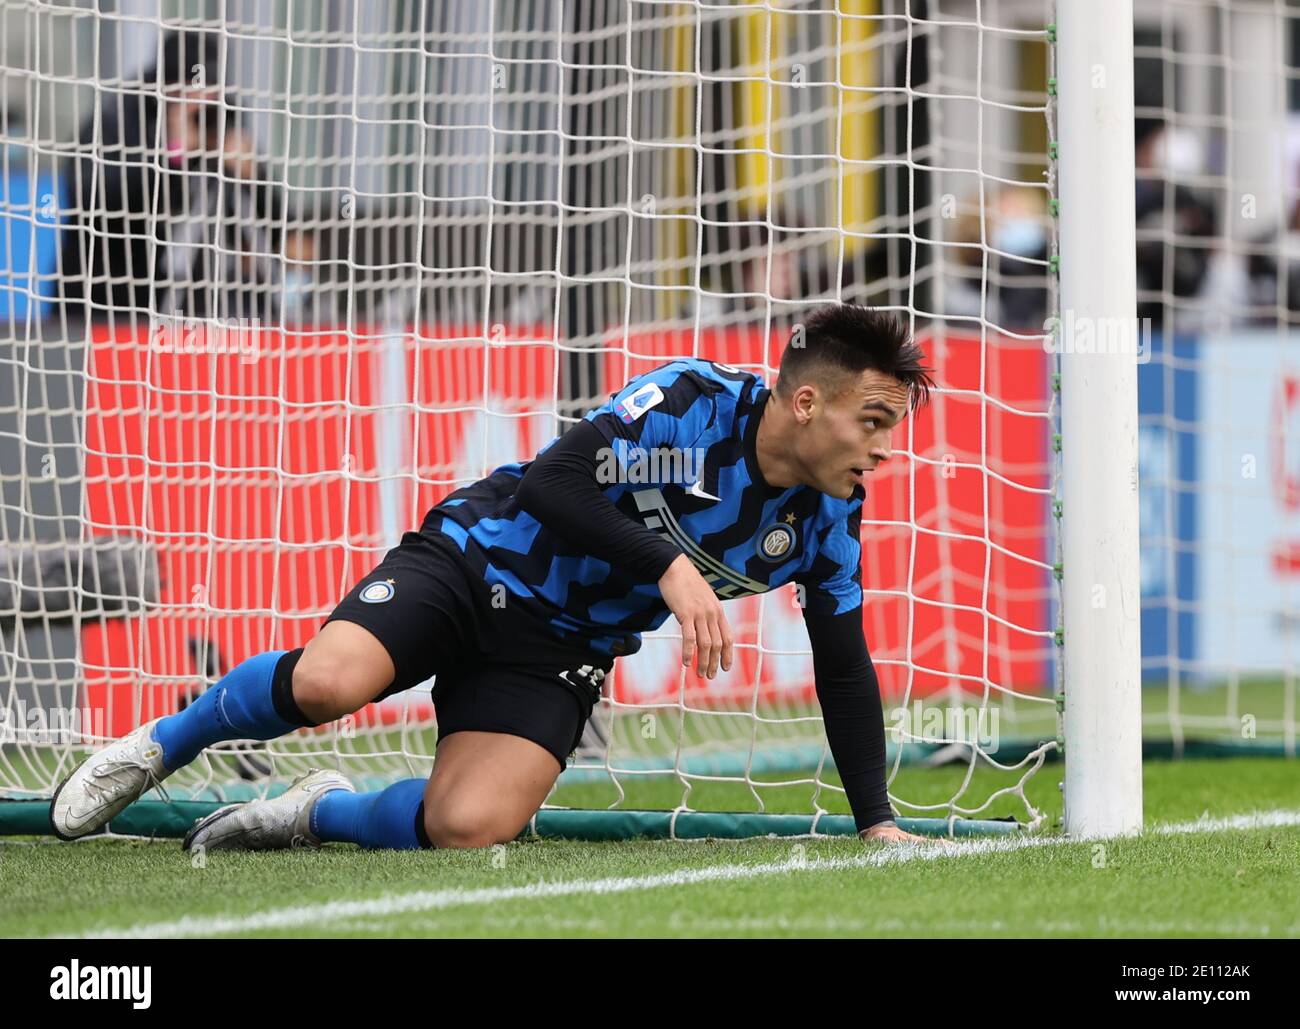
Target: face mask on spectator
(1023, 237)
(1179, 153)
(294, 293)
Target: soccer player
(520, 591)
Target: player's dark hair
(843, 340)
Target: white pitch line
(434, 900)
(1254, 820)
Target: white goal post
(1099, 422)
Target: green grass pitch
(1221, 881)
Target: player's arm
(562, 490)
(847, 687)
(849, 694)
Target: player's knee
(459, 825)
(325, 690)
(342, 668)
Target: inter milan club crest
(776, 542)
(379, 592)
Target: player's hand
(888, 832)
(706, 636)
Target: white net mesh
(1218, 181)
(291, 283)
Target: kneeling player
(587, 559)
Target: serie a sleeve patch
(632, 407)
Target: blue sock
(238, 707)
(391, 819)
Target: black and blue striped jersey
(679, 459)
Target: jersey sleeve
(667, 407)
(560, 489)
(847, 687)
(832, 582)
(848, 691)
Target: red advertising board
(257, 463)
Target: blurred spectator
(1020, 239)
(176, 213)
(301, 299)
(1175, 224)
(1274, 270)
(1273, 260)
(1015, 238)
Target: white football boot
(107, 782)
(274, 824)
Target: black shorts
(498, 669)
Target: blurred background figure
(176, 212)
(1014, 232)
(1176, 226)
(1273, 257)
(1273, 267)
(1020, 244)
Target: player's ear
(806, 400)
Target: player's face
(850, 434)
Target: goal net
(1218, 212)
(275, 278)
